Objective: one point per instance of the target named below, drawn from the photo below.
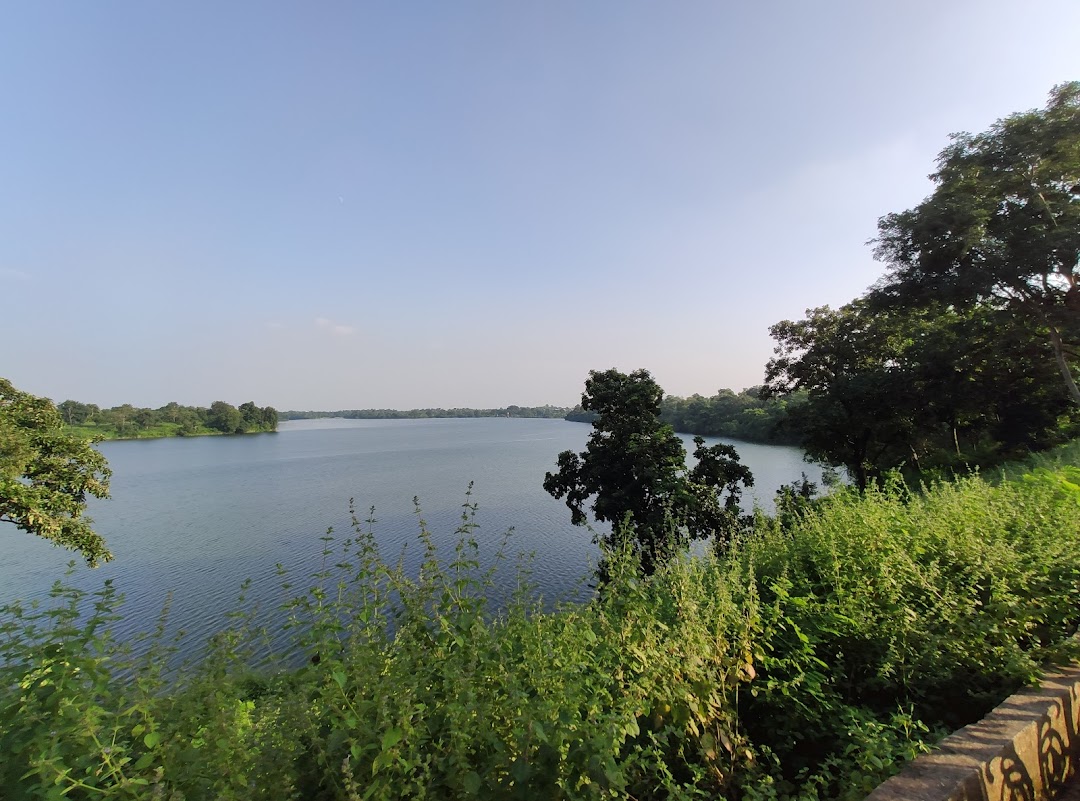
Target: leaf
(471, 782)
(391, 738)
(152, 739)
(144, 761)
(520, 771)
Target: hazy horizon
(350, 206)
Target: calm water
(198, 516)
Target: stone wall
(1022, 751)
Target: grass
(157, 431)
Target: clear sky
(401, 204)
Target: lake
(195, 517)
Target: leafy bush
(938, 604)
(807, 661)
(411, 687)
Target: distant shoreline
(527, 412)
(95, 433)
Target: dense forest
(171, 420)
(411, 414)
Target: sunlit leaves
(46, 474)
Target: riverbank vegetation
(805, 660)
(748, 416)
(171, 420)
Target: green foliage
(596, 701)
(808, 662)
(225, 418)
(928, 389)
(745, 415)
(46, 474)
(943, 601)
(634, 467)
(1001, 228)
(964, 352)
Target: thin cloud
(13, 274)
(336, 328)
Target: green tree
(170, 411)
(1002, 227)
(73, 412)
(929, 387)
(225, 418)
(634, 468)
(250, 416)
(46, 474)
(848, 364)
(268, 418)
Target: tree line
(172, 419)
(547, 412)
(745, 415)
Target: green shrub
(940, 603)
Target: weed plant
(807, 660)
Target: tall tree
(1002, 227)
(46, 474)
(634, 468)
(249, 416)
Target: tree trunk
(1063, 365)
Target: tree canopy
(1002, 227)
(926, 387)
(634, 468)
(46, 474)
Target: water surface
(197, 516)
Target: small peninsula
(171, 420)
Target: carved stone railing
(1022, 751)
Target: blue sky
(349, 205)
